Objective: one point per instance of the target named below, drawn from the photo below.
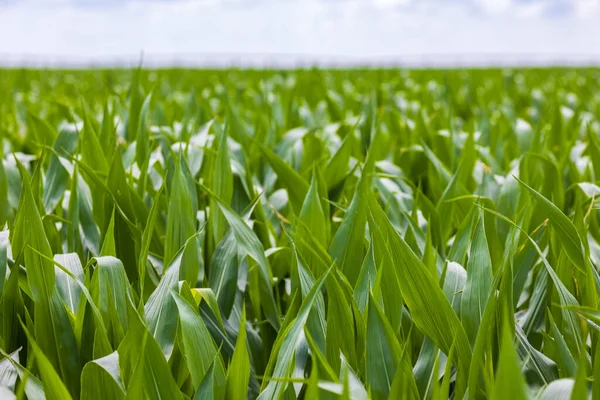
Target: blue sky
(299, 31)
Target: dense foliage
(300, 234)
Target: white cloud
(391, 3)
(587, 8)
(495, 6)
(198, 31)
(530, 10)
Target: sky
(282, 32)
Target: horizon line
(296, 60)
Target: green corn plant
(310, 234)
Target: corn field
(311, 234)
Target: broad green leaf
(312, 390)
(249, 244)
(129, 208)
(135, 103)
(206, 389)
(337, 166)
(107, 135)
(161, 309)
(352, 386)
(566, 299)
(481, 362)
(142, 365)
(101, 378)
(365, 281)
(199, 348)
(53, 385)
(296, 186)
(74, 238)
(147, 239)
(221, 184)
(39, 131)
(566, 230)
(8, 372)
(383, 352)
(110, 290)
(152, 378)
(67, 287)
(53, 330)
(30, 384)
(539, 363)
(580, 388)
(348, 243)
(341, 336)
(403, 385)
(89, 227)
(557, 390)
(4, 194)
(92, 153)
(13, 310)
(316, 320)
(27, 235)
(57, 176)
(181, 226)
(509, 383)
(142, 146)
(312, 227)
(224, 272)
(285, 346)
(3, 259)
(238, 373)
(479, 281)
(429, 308)
(565, 359)
(596, 372)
